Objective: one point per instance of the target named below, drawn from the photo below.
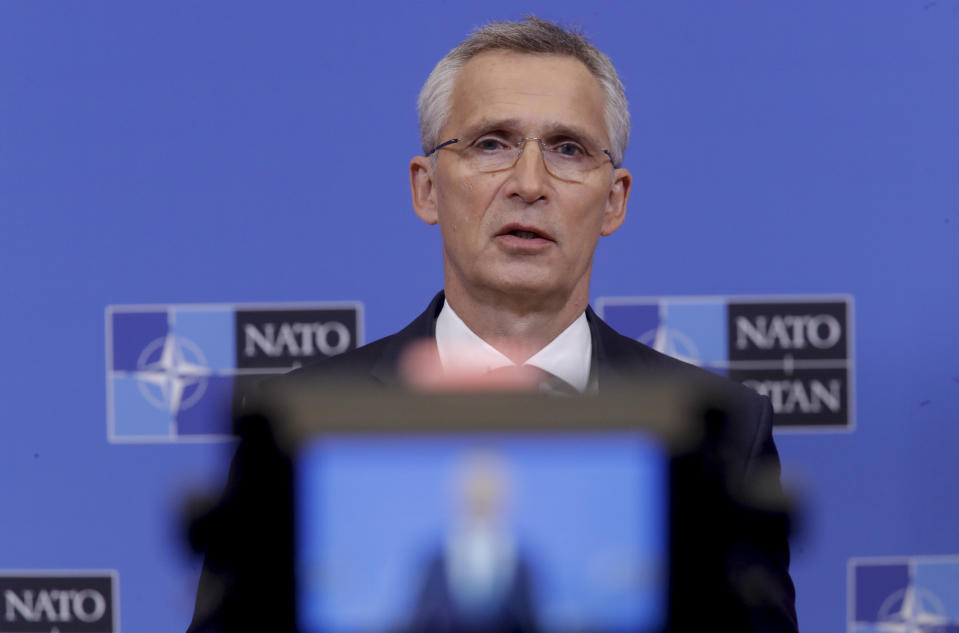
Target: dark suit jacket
(729, 547)
(436, 610)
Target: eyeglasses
(565, 159)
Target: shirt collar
(567, 356)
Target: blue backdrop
(185, 152)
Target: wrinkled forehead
(535, 93)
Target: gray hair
(530, 36)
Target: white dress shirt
(568, 356)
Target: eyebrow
(550, 129)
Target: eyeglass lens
(565, 160)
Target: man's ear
(421, 186)
(616, 202)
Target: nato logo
(797, 350)
(175, 372)
(81, 601)
(918, 594)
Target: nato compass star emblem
(918, 594)
(911, 610)
(172, 373)
(691, 330)
(672, 342)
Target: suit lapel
(423, 327)
(615, 357)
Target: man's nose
(529, 175)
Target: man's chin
(513, 282)
(529, 287)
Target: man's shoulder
(629, 356)
(378, 359)
(749, 434)
(355, 361)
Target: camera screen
(544, 532)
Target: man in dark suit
(524, 126)
(478, 578)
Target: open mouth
(525, 232)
